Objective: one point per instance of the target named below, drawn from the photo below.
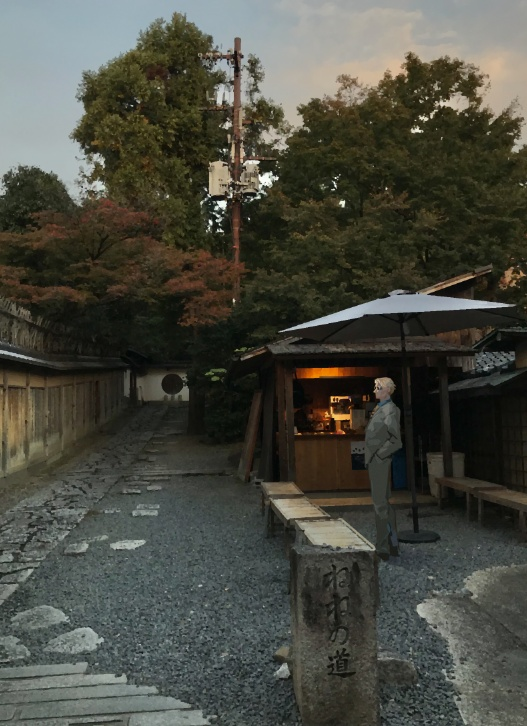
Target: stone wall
(19, 328)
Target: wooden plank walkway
(62, 694)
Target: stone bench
(334, 600)
(470, 487)
(277, 490)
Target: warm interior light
(340, 372)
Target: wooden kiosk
(328, 457)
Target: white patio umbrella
(401, 314)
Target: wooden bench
(277, 490)
(471, 488)
(332, 533)
(505, 498)
(288, 511)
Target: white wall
(149, 386)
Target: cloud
(507, 70)
(327, 38)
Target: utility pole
(232, 181)
(237, 131)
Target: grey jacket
(383, 433)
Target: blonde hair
(385, 383)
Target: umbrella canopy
(408, 314)
(403, 314)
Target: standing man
(383, 438)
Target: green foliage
(26, 191)
(146, 131)
(226, 408)
(398, 185)
(103, 269)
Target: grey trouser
(379, 473)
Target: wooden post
(498, 438)
(27, 414)
(290, 422)
(266, 468)
(282, 431)
(74, 409)
(5, 424)
(46, 418)
(62, 405)
(444, 402)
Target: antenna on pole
(232, 181)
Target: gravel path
(199, 609)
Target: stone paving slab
(69, 681)
(169, 718)
(7, 713)
(90, 721)
(36, 671)
(68, 694)
(100, 706)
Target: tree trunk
(196, 412)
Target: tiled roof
(493, 381)
(492, 361)
(24, 357)
(381, 346)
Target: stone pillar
(334, 598)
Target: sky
(45, 45)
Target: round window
(172, 383)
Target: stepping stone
(145, 513)
(12, 649)
(43, 616)
(77, 548)
(111, 511)
(154, 488)
(131, 491)
(80, 640)
(147, 506)
(128, 544)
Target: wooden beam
(47, 418)
(5, 423)
(290, 422)
(446, 433)
(251, 435)
(28, 413)
(282, 432)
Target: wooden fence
(44, 414)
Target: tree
(103, 267)
(27, 190)
(397, 185)
(147, 131)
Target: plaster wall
(149, 386)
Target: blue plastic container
(399, 470)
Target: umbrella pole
(409, 430)
(414, 536)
